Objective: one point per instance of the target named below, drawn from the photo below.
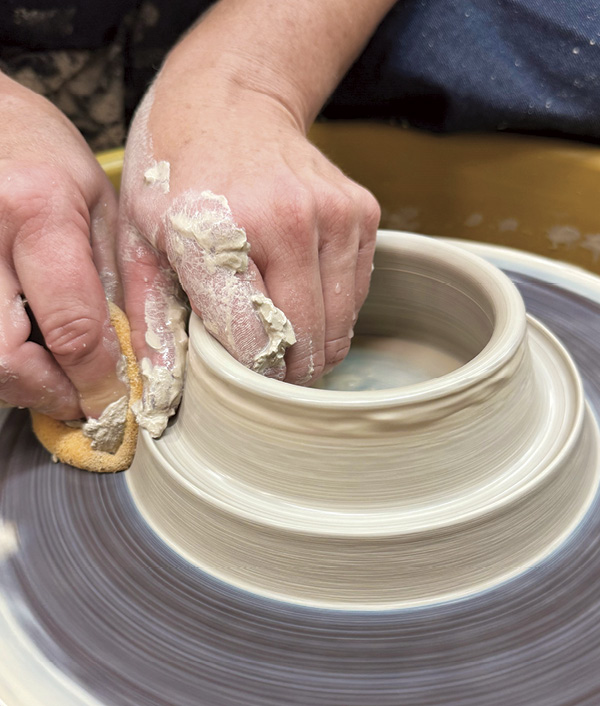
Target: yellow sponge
(70, 445)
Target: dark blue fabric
(449, 65)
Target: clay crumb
(158, 175)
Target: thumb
(157, 318)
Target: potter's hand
(235, 128)
(56, 212)
(310, 229)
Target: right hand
(57, 219)
(310, 229)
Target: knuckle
(28, 188)
(75, 340)
(340, 211)
(341, 203)
(296, 212)
(290, 215)
(371, 212)
(36, 193)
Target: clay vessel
(385, 498)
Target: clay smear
(163, 376)
(158, 175)
(223, 244)
(107, 431)
(211, 254)
(279, 330)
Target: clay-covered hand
(57, 213)
(222, 186)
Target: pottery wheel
(95, 609)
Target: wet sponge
(70, 445)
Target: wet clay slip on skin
(473, 469)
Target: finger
(29, 376)
(210, 255)
(370, 215)
(157, 318)
(338, 277)
(364, 269)
(103, 233)
(292, 277)
(53, 261)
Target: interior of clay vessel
(412, 327)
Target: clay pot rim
(507, 337)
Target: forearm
(294, 51)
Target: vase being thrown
(382, 498)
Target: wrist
(228, 80)
(240, 74)
(292, 53)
